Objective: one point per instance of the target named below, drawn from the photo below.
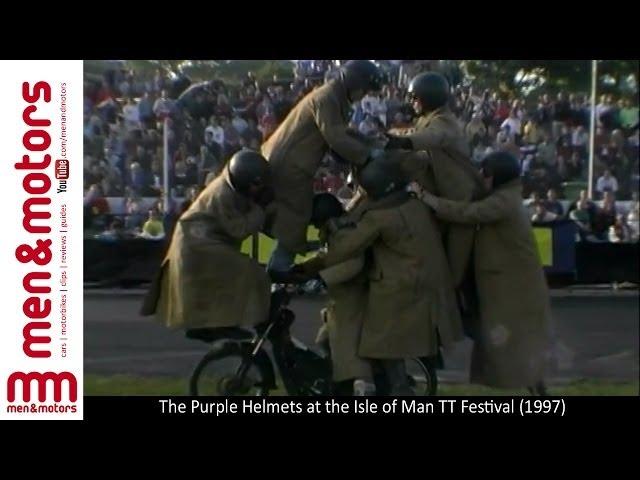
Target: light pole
(592, 130)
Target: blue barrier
(561, 246)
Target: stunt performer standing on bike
(445, 168)
(317, 124)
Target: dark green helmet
(247, 168)
(362, 75)
(502, 166)
(382, 177)
(325, 207)
(178, 86)
(431, 88)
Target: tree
(527, 76)
(229, 71)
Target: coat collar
(426, 119)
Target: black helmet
(325, 207)
(431, 88)
(178, 86)
(247, 168)
(502, 166)
(381, 177)
(362, 75)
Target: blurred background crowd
(545, 124)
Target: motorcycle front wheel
(229, 370)
(423, 378)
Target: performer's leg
(281, 259)
(396, 374)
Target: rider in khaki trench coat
(407, 297)
(205, 280)
(317, 124)
(417, 166)
(513, 344)
(348, 289)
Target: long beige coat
(419, 166)
(205, 280)
(513, 342)
(449, 173)
(408, 297)
(316, 124)
(348, 290)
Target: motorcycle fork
(257, 343)
(283, 360)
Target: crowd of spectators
(124, 121)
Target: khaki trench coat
(408, 295)
(449, 174)
(513, 344)
(348, 289)
(205, 280)
(317, 124)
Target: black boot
(396, 373)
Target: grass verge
(164, 386)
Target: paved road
(598, 337)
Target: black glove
(398, 143)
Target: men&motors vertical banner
(41, 334)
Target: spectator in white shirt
(607, 183)
(131, 115)
(163, 106)
(603, 107)
(380, 110)
(368, 126)
(514, 124)
(531, 202)
(542, 215)
(216, 130)
(369, 104)
(239, 123)
(580, 137)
